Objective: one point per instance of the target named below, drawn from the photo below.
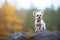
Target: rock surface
(47, 35)
(43, 35)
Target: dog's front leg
(36, 28)
(44, 26)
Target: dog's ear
(42, 12)
(34, 13)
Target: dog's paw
(36, 31)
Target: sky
(26, 4)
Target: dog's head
(38, 15)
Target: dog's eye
(37, 15)
(40, 15)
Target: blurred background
(17, 15)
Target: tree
(50, 18)
(9, 21)
(58, 18)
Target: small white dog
(39, 23)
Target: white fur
(41, 22)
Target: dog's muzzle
(39, 19)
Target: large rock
(47, 35)
(42, 35)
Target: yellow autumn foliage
(9, 21)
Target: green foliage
(49, 18)
(52, 18)
(58, 18)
